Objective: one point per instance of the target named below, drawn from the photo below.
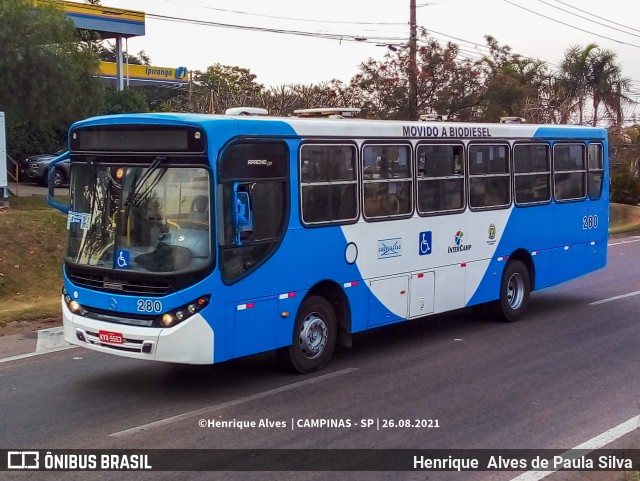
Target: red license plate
(112, 337)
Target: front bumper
(190, 342)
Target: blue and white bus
(201, 238)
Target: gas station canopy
(109, 22)
(117, 23)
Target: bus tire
(515, 288)
(314, 337)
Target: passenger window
(569, 172)
(328, 183)
(386, 172)
(532, 173)
(440, 178)
(489, 180)
(596, 170)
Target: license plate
(111, 337)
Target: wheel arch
(525, 257)
(334, 293)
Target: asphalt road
(564, 374)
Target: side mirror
(51, 181)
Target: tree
(446, 84)
(574, 75)
(108, 53)
(513, 84)
(217, 89)
(129, 100)
(590, 72)
(48, 79)
(283, 100)
(624, 146)
(606, 85)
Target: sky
(362, 29)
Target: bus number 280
(147, 305)
(589, 222)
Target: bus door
(253, 207)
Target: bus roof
(354, 128)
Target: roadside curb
(20, 346)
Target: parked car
(35, 168)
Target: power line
(283, 18)
(329, 36)
(588, 19)
(571, 26)
(598, 16)
(475, 44)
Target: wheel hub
(313, 336)
(515, 291)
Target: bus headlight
(183, 313)
(74, 306)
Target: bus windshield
(139, 218)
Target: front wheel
(314, 337)
(515, 289)
(58, 178)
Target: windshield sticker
(77, 217)
(122, 259)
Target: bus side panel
(389, 301)
(255, 327)
(542, 265)
(450, 287)
(569, 255)
(263, 305)
(358, 296)
(538, 231)
(286, 316)
(486, 274)
(597, 224)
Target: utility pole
(413, 66)
(619, 105)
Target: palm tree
(606, 84)
(575, 73)
(593, 72)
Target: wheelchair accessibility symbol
(122, 259)
(425, 243)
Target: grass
(624, 218)
(32, 237)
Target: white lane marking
(614, 298)
(246, 399)
(51, 339)
(632, 239)
(591, 445)
(32, 354)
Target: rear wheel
(314, 337)
(515, 289)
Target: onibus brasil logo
(459, 245)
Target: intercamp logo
(459, 246)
